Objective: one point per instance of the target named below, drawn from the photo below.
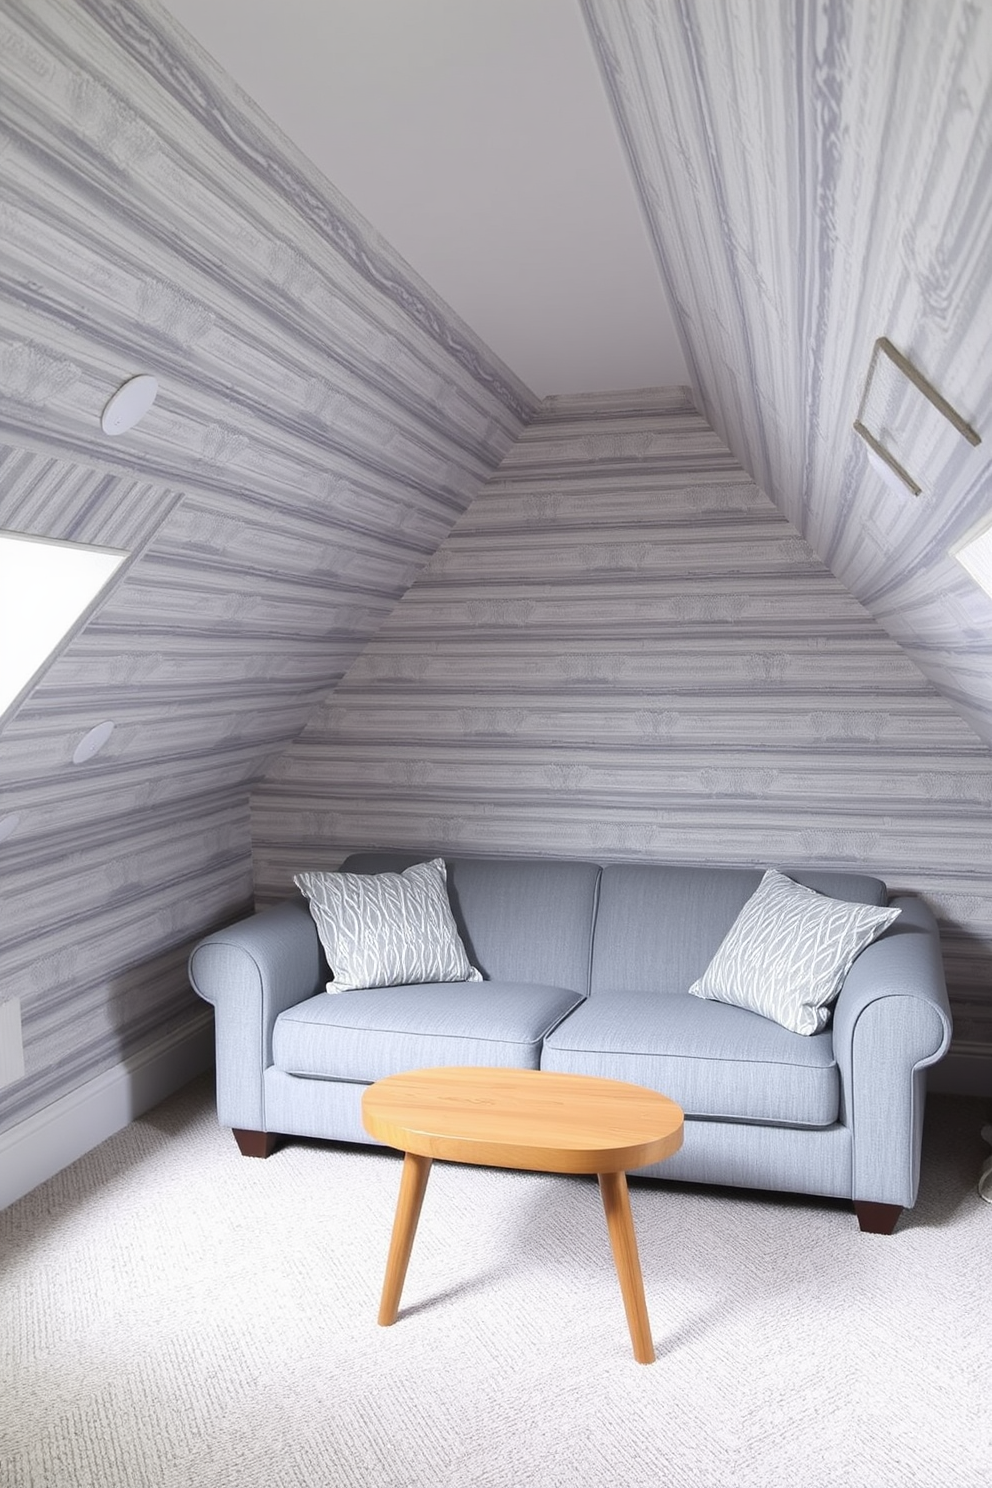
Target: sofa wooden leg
(254, 1143)
(876, 1219)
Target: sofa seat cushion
(715, 1060)
(366, 1035)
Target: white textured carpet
(172, 1313)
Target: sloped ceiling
(795, 212)
(816, 175)
(322, 418)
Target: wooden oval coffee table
(533, 1119)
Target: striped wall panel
(817, 174)
(322, 421)
(624, 651)
(95, 928)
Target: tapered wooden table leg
(413, 1186)
(536, 1120)
(620, 1222)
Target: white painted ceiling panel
(477, 137)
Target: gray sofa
(586, 970)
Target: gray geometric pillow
(387, 929)
(788, 952)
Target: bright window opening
(44, 588)
(975, 556)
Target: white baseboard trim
(962, 1072)
(41, 1146)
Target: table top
(523, 1118)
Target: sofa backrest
(628, 927)
(522, 919)
(658, 927)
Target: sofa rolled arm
(891, 1020)
(251, 972)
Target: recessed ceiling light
(91, 743)
(130, 403)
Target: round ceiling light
(130, 403)
(91, 743)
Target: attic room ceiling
(477, 137)
(795, 214)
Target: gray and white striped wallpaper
(818, 173)
(321, 422)
(623, 651)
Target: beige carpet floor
(174, 1314)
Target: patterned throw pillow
(788, 952)
(387, 929)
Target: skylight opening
(975, 557)
(45, 587)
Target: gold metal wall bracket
(884, 347)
